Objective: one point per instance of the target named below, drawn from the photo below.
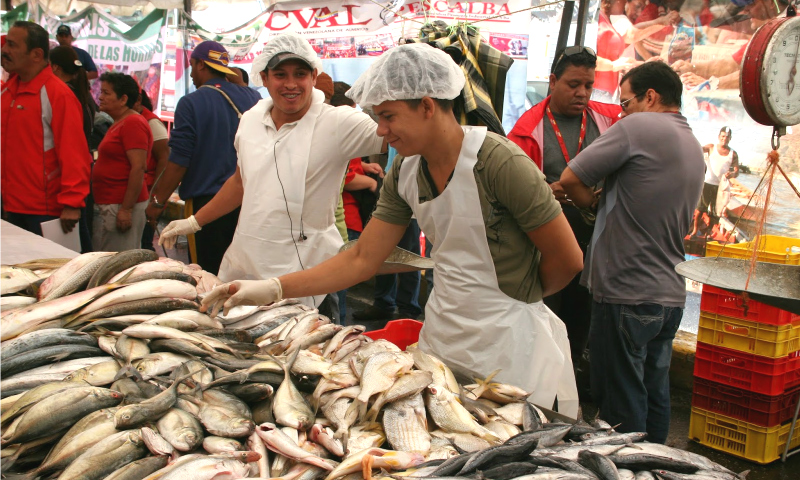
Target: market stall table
(19, 246)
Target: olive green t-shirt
(514, 198)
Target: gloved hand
(179, 227)
(242, 292)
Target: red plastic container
(723, 302)
(767, 376)
(763, 410)
(402, 332)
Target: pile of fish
(112, 372)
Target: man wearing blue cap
(65, 39)
(202, 156)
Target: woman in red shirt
(118, 186)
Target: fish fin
(366, 466)
(743, 474)
(292, 359)
(32, 475)
(123, 279)
(128, 371)
(372, 414)
(58, 357)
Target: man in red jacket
(552, 133)
(45, 158)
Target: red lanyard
(561, 138)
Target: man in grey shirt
(653, 168)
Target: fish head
(315, 431)
(241, 427)
(129, 416)
(143, 367)
(187, 440)
(245, 457)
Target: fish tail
(358, 408)
(372, 414)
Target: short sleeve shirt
(112, 169)
(203, 134)
(515, 199)
(653, 170)
(85, 59)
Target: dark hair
(726, 130)
(443, 104)
(340, 87)
(37, 36)
(66, 58)
(561, 61)
(245, 76)
(658, 76)
(339, 99)
(146, 103)
(122, 85)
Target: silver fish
(214, 444)
(68, 270)
(61, 411)
(406, 426)
(182, 430)
(140, 468)
(120, 262)
(78, 280)
(289, 406)
(107, 456)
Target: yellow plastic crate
(763, 339)
(771, 249)
(739, 438)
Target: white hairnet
(408, 72)
(287, 42)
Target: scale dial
(769, 81)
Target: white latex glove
(170, 233)
(242, 292)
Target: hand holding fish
(242, 292)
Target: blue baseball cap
(214, 55)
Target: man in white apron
(293, 151)
(487, 210)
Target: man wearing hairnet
(501, 241)
(293, 151)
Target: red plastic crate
(763, 410)
(767, 376)
(402, 333)
(723, 302)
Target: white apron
(469, 322)
(268, 241)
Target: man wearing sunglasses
(552, 133)
(653, 169)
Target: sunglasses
(624, 104)
(575, 50)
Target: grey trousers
(106, 237)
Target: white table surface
(19, 246)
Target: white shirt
(717, 165)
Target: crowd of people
(576, 186)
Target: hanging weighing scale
(770, 91)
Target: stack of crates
(747, 365)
